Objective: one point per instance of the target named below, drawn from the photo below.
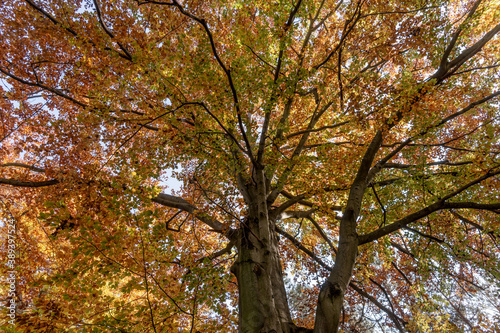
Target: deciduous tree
(339, 162)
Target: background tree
(339, 162)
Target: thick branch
(296, 214)
(179, 203)
(288, 195)
(225, 250)
(22, 165)
(21, 183)
(473, 205)
(438, 205)
(280, 209)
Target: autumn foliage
(338, 163)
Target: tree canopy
(339, 164)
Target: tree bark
(332, 291)
(263, 303)
(256, 304)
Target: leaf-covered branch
(438, 205)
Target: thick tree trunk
(263, 305)
(331, 296)
(332, 292)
